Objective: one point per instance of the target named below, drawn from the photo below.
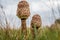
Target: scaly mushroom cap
(23, 10)
(36, 21)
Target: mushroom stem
(23, 26)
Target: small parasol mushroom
(35, 23)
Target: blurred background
(49, 10)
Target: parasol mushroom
(23, 12)
(35, 23)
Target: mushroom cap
(36, 21)
(57, 21)
(23, 10)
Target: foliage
(46, 33)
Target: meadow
(45, 33)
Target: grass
(46, 33)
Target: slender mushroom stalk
(35, 23)
(24, 29)
(23, 12)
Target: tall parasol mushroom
(23, 12)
